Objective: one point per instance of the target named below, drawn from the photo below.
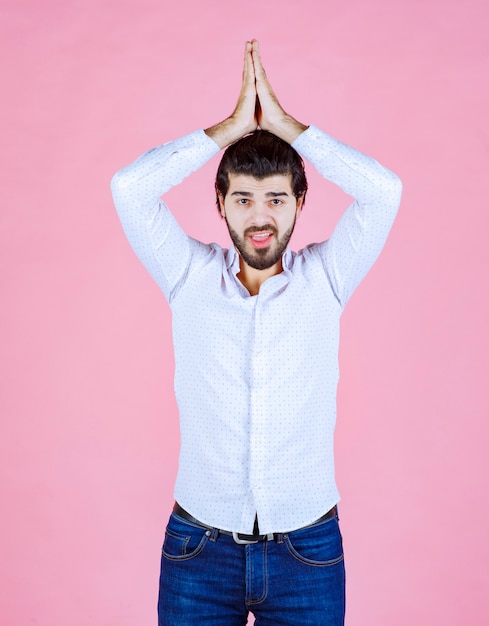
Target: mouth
(260, 239)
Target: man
(256, 329)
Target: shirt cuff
(197, 139)
(313, 138)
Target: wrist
(228, 131)
(287, 128)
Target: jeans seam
(191, 555)
(185, 539)
(264, 595)
(306, 561)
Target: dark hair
(261, 154)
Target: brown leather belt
(242, 537)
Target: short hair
(261, 154)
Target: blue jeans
(208, 579)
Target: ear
(221, 204)
(300, 202)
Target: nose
(261, 214)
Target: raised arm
(362, 230)
(152, 231)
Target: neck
(253, 279)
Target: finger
(263, 86)
(257, 62)
(248, 70)
(245, 106)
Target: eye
(276, 202)
(243, 201)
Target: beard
(260, 258)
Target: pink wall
(89, 425)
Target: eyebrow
(269, 194)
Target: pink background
(89, 424)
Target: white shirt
(256, 376)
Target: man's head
(260, 188)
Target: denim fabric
(208, 579)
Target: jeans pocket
(183, 541)
(319, 545)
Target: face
(261, 216)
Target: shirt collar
(232, 260)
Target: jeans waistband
(243, 537)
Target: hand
(244, 114)
(243, 120)
(257, 105)
(270, 115)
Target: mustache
(259, 229)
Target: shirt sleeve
(153, 232)
(360, 234)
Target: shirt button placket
(257, 405)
